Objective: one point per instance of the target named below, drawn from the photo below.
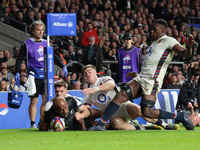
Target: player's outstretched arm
(185, 52)
(82, 112)
(109, 85)
(82, 123)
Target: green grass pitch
(32, 139)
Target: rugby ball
(57, 122)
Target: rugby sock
(159, 122)
(137, 128)
(110, 110)
(166, 115)
(32, 122)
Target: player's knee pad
(147, 103)
(146, 107)
(128, 91)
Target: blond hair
(88, 66)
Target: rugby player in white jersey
(101, 91)
(148, 83)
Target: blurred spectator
(69, 40)
(73, 78)
(7, 13)
(10, 61)
(22, 21)
(77, 42)
(180, 79)
(173, 84)
(3, 86)
(25, 12)
(127, 4)
(11, 86)
(3, 5)
(51, 9)
(29, 6)
(3, 65)
(5, 74)
(60, 53)
(79, 58)
(106, 47)
(43, 15)
(38, 16)
(68, 80)
(174, 17)
(30, 18)
(23, 79)
(167, 80)
(77, 85)
(175, 70)
(93, 54)
(84, 85)
(79, 76)
(105, 26)
(70, 57)
(81, 29)
(114, 38)
(87, 34)
(23, 66)
(2, 58)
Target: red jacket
(86, 35)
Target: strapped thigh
(128, 91)
(147, 103)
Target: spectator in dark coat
(93, 54)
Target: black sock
(159, 122)
(166, 115)
(32, 122)
(137, 127)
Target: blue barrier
(18, 118)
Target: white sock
(164, 124)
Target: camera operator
(196, 66)
(188, 94)
(190, 90)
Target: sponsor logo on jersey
(41, 53)
(126, 59)
(41, 50)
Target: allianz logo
(59, 24)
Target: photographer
(190, 90)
